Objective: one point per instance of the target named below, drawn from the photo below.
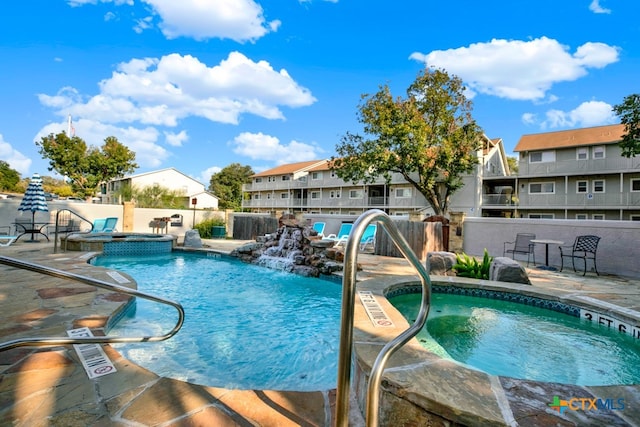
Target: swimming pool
(246, 327)
(519, 341)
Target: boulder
(441, 263)
(505, 269)
(192, 239)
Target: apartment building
(571, 174)
(312, 187)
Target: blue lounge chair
(104, 225)
(319, 227)
(368, 237)
(342, 236)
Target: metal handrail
(346, 326)
(55, 235)
(53, 341)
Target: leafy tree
(429, 138)
(86, 167)
(227, 185)
(156, 196)
(9, 178)
(629, 113)
(513, 164)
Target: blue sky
(200, 84)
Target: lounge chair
(319, 227)
(9, 240)
(368, 237)
(584, 248)
(522, 246)
(342, 236)
(104, 225)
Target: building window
(316, 175)
(333, 194)
(542, 188)
(284, 195)
(272, 179)
(635, 184)
(286, 177)
(598, 185)
(541, 216)
(598, 217)
(258, 180)
(598, 152)
(542, 157)
(581, 216)
(582, 186)
(256, 197)
(582, 153)
(403, 193)
(634, 217)
(315, 195)
(355, 194)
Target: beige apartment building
(571, 174)
(312, 187)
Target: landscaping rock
(441, 263)
(505, 269)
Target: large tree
(86, 167)
(9, 178)
(227, 185)
(429, 137)
(629, 113)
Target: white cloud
(146, 94)
(176, 139)
(516, 69)
(587, 114)
(596, 8)
(269, 148)
(13, 157)
(239, 20)
(205, 175)
(528, 118)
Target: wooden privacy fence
(250, 227)
(422, 237)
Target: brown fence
(250, 227)
(422, 237)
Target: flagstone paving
(49, 387)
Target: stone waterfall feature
(295, 248)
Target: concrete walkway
(49, 386)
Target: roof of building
(571, 138)
(138, 175)
(290, 168)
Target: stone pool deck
(49, 387)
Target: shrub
(204, 227)
(467, 266)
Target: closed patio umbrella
(34, 200)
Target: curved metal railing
(53, 341)
(57, 230)
(346, 322)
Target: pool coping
(434, 389)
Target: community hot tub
(120, 243)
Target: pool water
(510, 339)
(246, 327)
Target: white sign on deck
(375, 312)
(93, 358)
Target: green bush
(204, 227)
(467, 266)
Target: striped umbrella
(34, 199)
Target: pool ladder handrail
(55, 341)
(346, 322)
(57, 230)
